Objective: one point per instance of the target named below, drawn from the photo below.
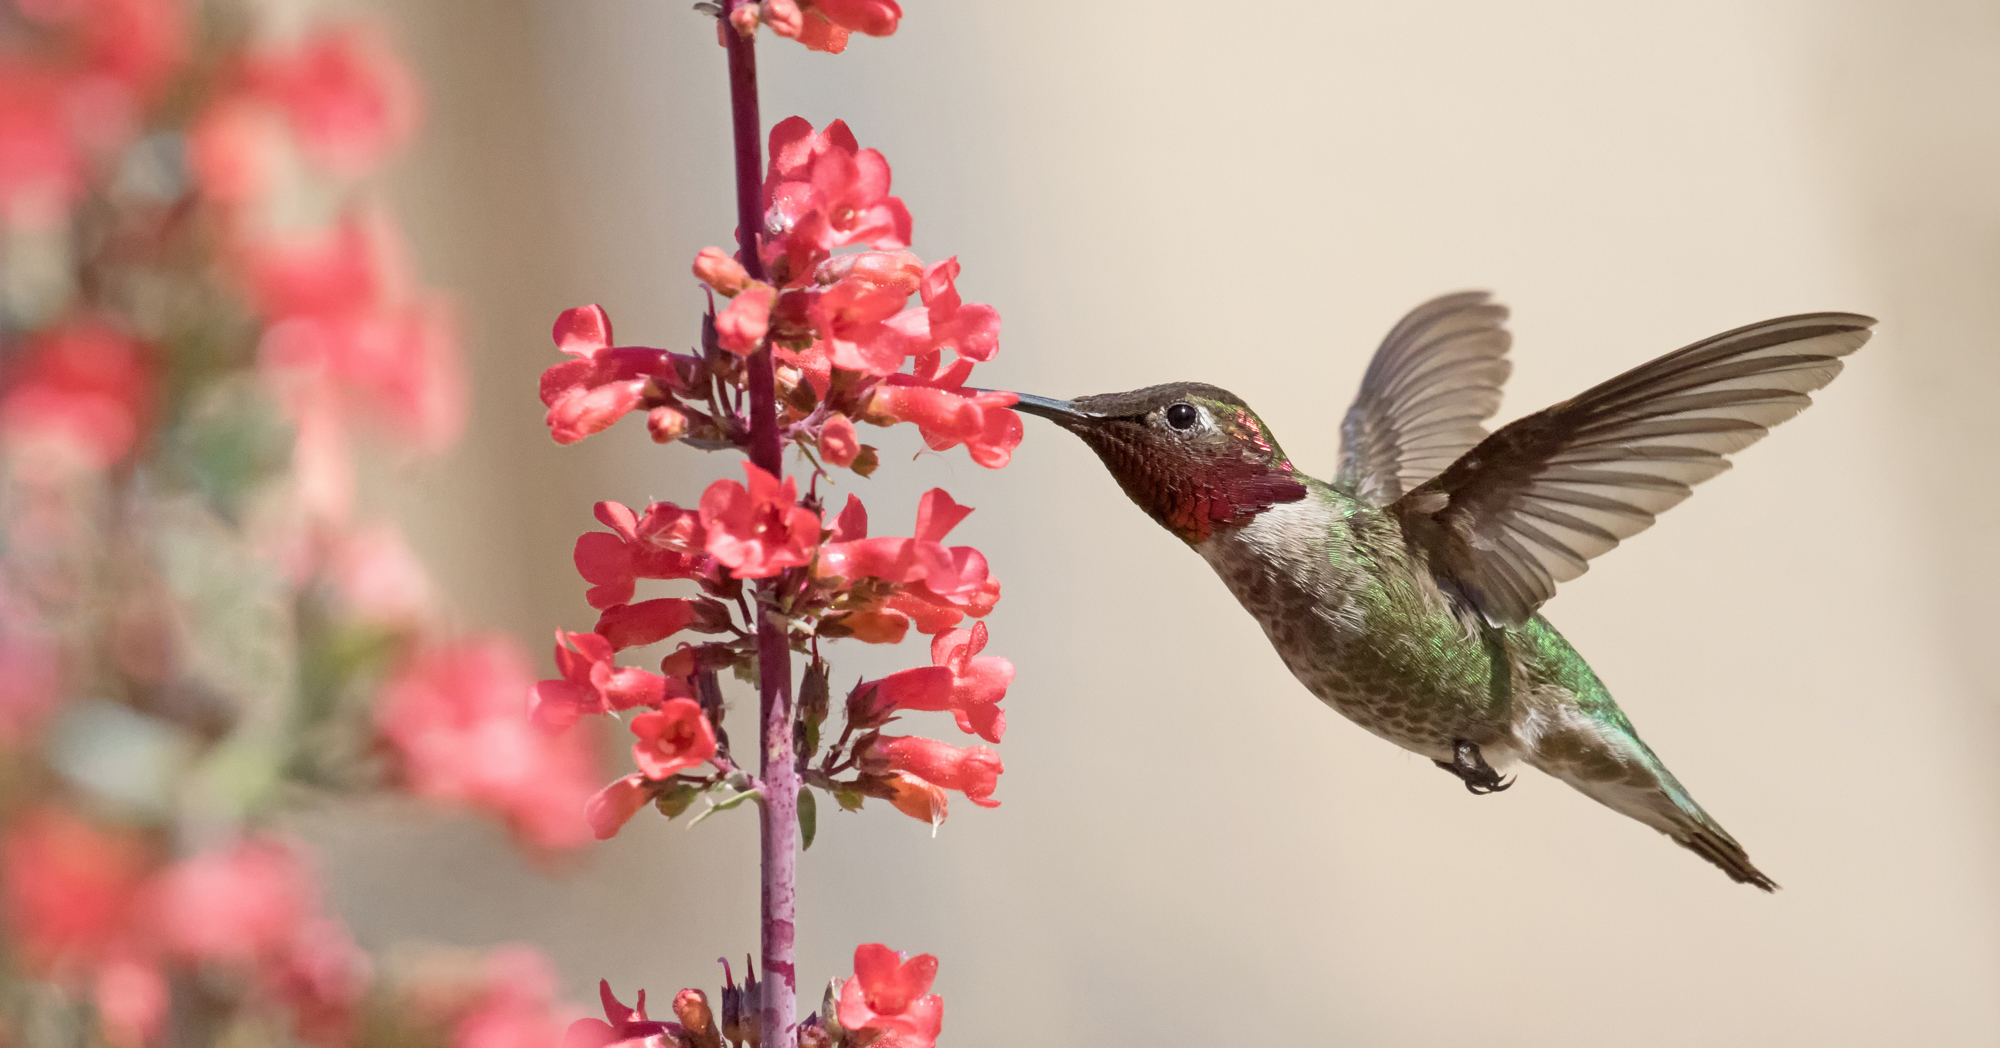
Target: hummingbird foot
(1471, 768)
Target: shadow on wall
(1191, 849)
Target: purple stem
(778, 773)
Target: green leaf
(808, 817)
(724, 805)
(849, 798)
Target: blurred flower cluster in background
(204, 311)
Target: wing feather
(1528, 507)
(1433, 381)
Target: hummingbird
(1404, 592)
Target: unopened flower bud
(666, 425)
(732, 1006)
(814, 1035)
(829, 1008)
(691, 1008)
(838, 442)
(744, 20)
(721, 271)
(753, 1007)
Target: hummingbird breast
(1365, 627)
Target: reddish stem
(778, 814)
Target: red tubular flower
(892, 995)
(664, 544)
(970, 331)
(593, 684)
(452, 715)
(874, 17)
(759, 531)
(860, 322)
(515, 1008)
(940, 584)
(348, 98)
(919, 800)
(613, 806)
(948, 414)
(604, 382)
(824, 191)
(671, 738)
(649, 621)
(973, 770)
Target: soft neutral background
(1191, 849)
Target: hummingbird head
(1192, 456)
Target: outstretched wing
(1533, 503)
(1433, 381)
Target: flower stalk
(778, 770)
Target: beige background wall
(1191, 849)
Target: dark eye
(1181, 416)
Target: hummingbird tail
(1618, 771)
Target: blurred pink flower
(515, 1008)
(454, 715)
(378, 577)
(76, 398)
(69, 892)
(621, 1026)
(243, 903)
(346, 94)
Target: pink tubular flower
(621, 1026)
(666, 543)
(891, 995)
(452, 714)
(348, 98)
(741, 328)
(672, 738)
(973, 770)
(593, 684)
(77, 398)
(759, 531)
(587, 394)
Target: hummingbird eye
(1181, 416)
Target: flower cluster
(203, 307)
(851, 347)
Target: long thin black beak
(1059, 411)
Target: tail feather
(1609, 764)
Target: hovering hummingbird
(1404, 593)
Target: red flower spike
(613, 806)
(759, 531)
(742, 326)
(874, 17)
(838, 442)
(674, 737)
(720, 270)
(893, 996)
(972, 770)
